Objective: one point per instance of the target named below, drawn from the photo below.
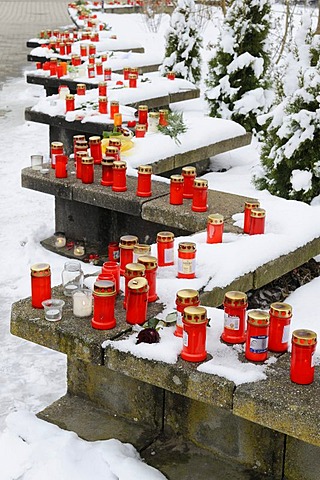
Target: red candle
(92, 60)
(114, 252)
(104, 294)
(78, 145)
(171, 75)
(126, 71)
(53, 67)
(103, 105)
(112, 268)
(189, 174)
(132, 80)
(91, 71)
(176, 190)
(137, 303)
(163, 117)
(79, 157)
(140, 130)
(127, 242)
(151, 265)
(39, 65)
(114, 108)
(87, 170)
(215, 228)
(144, 181)
(194, 334)
(141, 250)
(235, 306)
(61, 166)
(132, 270)
(248, 206)
(95, 149)
(185, 298)
(102, 89)
(40, 284)
(60, 71)
(257, 336)
(187, 260)
(112, 151)
(302, 354)
(200, 195)
(83, 50)
(75, 60)
(114, 142)
(56, 149)
(165, 246)
(92, 49)
(81, 89)
(119, 176)
(258, 217)
(107, 74)
(99, 69)
(68, 48)
(107, 171)
(62, 48)
(69, 103)
(143, 114)
(280, 318)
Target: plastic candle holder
(117, 119)
(194, 334)
(302, 354)
(258, 217)
(114, 108)
(87, 170)
(61, 166)
(107, 171)
(215, 226)
(257, 336)
(69, 103)
(189, 174)
(151, 266)
(104, 294)
(76, 146)
(114, 251)
(171, 75)
(144, 181)
(185, 298)
(280, 319)
(102, 89)
(163, 117)
(165, 249)
(141, 250)
(235, 307)
(126, 244)
(126, 71)
(132, 270)
(140, 130)
(133, 80)
(115, 142)
(248, 206)
(79, 156)
(119, 176)
(176, 190)
(103, 105)
(95, 149)
(200, 195)
(81, 89)
(112, 268)
(107, 74)
(137, 301)
(143, 114)
(56, 149)
(91, 71)
(187, 260)
(40, 284)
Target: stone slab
(280, 404)
(302, 461)
(93, 423)
(215, 296)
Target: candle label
(179, 319)
(186, 266)
(285, 334)
(231, 322)
(185, 338)
(168, 255)
(259, 344)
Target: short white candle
(53, 314)
(82, 304)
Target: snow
(301, 180)
(32, 377)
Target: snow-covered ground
(32, 377)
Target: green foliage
(240, 64)
(175, 126)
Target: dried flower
(148, 335)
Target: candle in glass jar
(82, 303)
(102, 89)
(114, 108)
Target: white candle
(53, 314)
(82, 304)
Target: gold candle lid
(107, 161)
(143, 107)
(138, 285)
(81, 154)
(56, 145)
(77, 138)
(186, 296)
(40, 270)
(257, 213)
(54, 60)
(70, 96)
(258, 318)
(148, 261)
(195, 315)
(235, 298)
(81, 85)
(281, 310)
(112, 149)
(114, 141)
(215, 219)
(147, 169)
(154, 114)
(104, 288)
(103, 99)
(128, 241)
(94, 140)
(102, 84)
(187, 247)
(141, 248)
(251, 204)
(200, 183)
(114, 103)
(165, 236)
(189, 171)
(135, 269)
(133, 76)
(176, 179)
(304, 338)
(134, 70)
(141, 127)
(119, 164)
(87, 160)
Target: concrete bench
(188, 423)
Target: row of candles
(261, 331)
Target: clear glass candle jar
(72, 277)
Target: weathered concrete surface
(215, 296)
(280, 404)
(302, 461)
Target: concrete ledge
(42, 59)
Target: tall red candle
(40, 284)
(132, 80)
(143, 114)
(280, 318)
(137, 301)
(185, 298)
(95, 149)
(140, 130)
(194, 334)
(151, 265)
(112, 268)
(79, 157)
(200, 195)
(257, 225)
(187, 260)
(256, 349)
(114, 108)
(126, 244)
(87, 170)
(70, 103)
(107, 74)
(114, 252)
(81, 89)
(103, 105)
(215, 228)
(165, 246)
(144, 181)
(132, 270)
(107, 171)
(119, 176)
(235, 307)
(104, 294)
(56, 149)
(302, 356)
(99, 68)
(189, 174)
(248, 206)
(102, 89)
(61, 166)
(91, 71)
(176, 190)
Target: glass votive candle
(79, 249)
(53, 309)
(72, 277)
(36, 162)
(82, 302)
(59, 240)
